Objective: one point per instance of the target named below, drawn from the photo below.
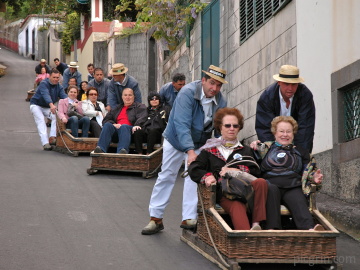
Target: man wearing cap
(71, 72)
(102, 85)
(169, 91)
(287, 97)
(41, 65)
(42, 105)
(190, 125)
(118, 83)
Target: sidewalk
(344, 216)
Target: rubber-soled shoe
(47, 147)
(188, 224)
(152, 228)
(52, 140)
(98, 150)
(319, 228)
(123, 151)
(256, 228)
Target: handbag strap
(252, 161)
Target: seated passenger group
(283, 165)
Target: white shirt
(207, 106)
(226, 151)
(283, 110)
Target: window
(255, 13)
(352, 112)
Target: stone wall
(132, 51)
(100, 55)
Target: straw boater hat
(288, 74)
(216, 73)
(73, 65)
(118, 69)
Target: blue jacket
(168, 94)
(47, 93)
(302, 110)
(115, 91)
(185, 129)
(67, 75)
(102, 88)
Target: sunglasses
(229, 126)
(154, 98)
(93, 94)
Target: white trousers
(171, 162)
(39, 113)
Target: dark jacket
(157, 118)
(302, 110)
(211, 161)
(137, 114)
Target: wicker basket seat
(148, 165)
(264, 246)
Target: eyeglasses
(154, 98)
(93, 94)
(229, 126)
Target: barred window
(255, 13)
(352, 112)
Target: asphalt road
(55, 216)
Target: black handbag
(72, 112)
(234, 188)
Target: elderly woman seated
(284, 166)
(70, 113)
(95, 110)
(151, 131)
(121, 122)
(209, 168)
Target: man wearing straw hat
(118, 83)
(287, 97)
(190, 125)
(71, 72)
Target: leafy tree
(168, 18)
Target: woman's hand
(254, 144)
(64, 120)
(318, 177)
(210, 180)
(225, 170)
(135, 128)
(117, 126)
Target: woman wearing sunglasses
(95, 110)
(209, 167)
(151, 131)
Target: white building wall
(323, 27)
(251, 65)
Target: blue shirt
(168, 94)
(47, 93)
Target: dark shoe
(98, 150)
(188, 224)
(52, 140)
(47, 147)
(152, 228)
(123, 151)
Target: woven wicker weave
(280, 245)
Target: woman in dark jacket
(209, 168)
(152, 129)
(121, 122)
